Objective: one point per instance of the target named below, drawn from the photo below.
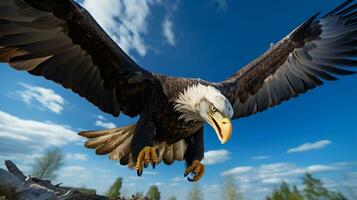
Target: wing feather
(60, 40)
(317, 51)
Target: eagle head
(206, 104)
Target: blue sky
(210, 39)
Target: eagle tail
(115, 142)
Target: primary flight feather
(60, 40)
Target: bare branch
(15, 185)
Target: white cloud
(167, 30)
(74, 171)
(126, 21)
(132, 184)
(46, 133)
(273, 180)
(264, 190)
(179, 179)
(90, 177)
(107, 125)
(260, 157)
(102, 122)
(345, 164)
(221, 4)
(150, 173)
(237, 170)
(320, 168)
(310, 146)
(100, 117)
(77, 156)
(40, 98)
(215, 156)
(214, 188)
(22, 140)
(270, 173)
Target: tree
(231, 191)
(139, 195)
(114, 190)
(45, 167)
(283, 192)
(195, 193)
(313, 190)
(172, 198)
(297, 194)
(153, 193)
(336, 196)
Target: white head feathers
(194, 101)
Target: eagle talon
(196, 170)
(139, 172)
(193, 179)
(146, 156)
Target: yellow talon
(197, 169)
(146, 156)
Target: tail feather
(171, 152)
(116, 143)
(168, 158)
(179, 150)
(94, 134)
(112, 141)
(123, 153)
(118, 140)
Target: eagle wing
(317, 50)
(61, 41)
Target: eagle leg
(142, 144)
(146, 156)
(197, 169)
(193, 156)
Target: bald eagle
(60, 40)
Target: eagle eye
(213, 109)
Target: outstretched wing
(60, 40)
(315, 51)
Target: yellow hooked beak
(222, 126)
